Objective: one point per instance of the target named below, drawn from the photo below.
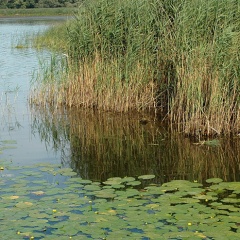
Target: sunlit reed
(179, 58)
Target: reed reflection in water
(102, 145)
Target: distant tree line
(37, 3)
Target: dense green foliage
(38, 3)
(178, 57)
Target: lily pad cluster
(46, 201)
(7, 144)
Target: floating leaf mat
(46, 201)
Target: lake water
(17, 66)
(96, 145)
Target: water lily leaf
(127, 194)
(38, 193)
(235, 219)
(14, 167)
(118, 186)
(67, 172)
(83, 181)
(146, 177)
(134, 183)
(233, 209)
(105, 193)
(47, 169)
(215, 204)
(224, 206)
(8, 142)
(92, 188)
(182, 184)
(214, 180)
(128, 179)
(96, 183)
(8, 147)
(235, 186)
(190, 200)
(231, 200)
(13, 197)
(24, 205)
(155, 190)
(152, 205)
(37, 214)
(25, 234)
(113, 181)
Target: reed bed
(179, 58)
(206, 99)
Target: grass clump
(180, 58)
(54, 38)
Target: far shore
(12, 13)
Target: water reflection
(18, 63)
(102, 145)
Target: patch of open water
(17, 66)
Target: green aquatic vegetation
(146, 177)
(33, 206)
(180, 58)
(7, 144)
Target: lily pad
(146, 177)
(214, 180)
(134, 183)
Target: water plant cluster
(48, 201)
(180, 58)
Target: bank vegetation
(178, 58)
(31, 4)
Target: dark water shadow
(102, 145)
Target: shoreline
(37, 12)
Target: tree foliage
(37, 3)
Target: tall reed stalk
(206, 99)
(180, 58)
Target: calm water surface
(96, 145)
(17, 66)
